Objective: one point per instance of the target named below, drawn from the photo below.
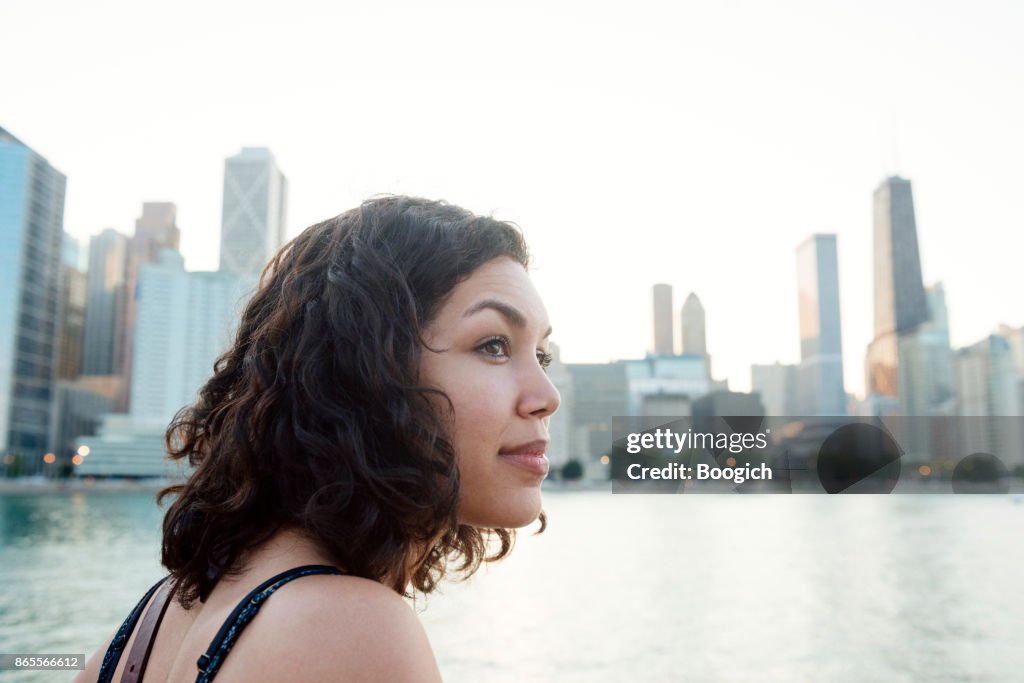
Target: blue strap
(113, 654)
(209, 663)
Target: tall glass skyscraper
(900, 302)
(253, 217)
(31, 229)
(821, 390)
(103, 321)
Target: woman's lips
(535, 463)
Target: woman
(383, 412)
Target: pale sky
(691, 143)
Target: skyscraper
(185, 321)
(692, 326)
(900, 302)
(103, 322)
(71, 327)
(253, 217)
(662, 298)
(155, 230)
(31, 228)
(821, 390)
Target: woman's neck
(291, 547)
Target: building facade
(71, 326)
(776, 384)
(693, 328)
(666, 385)
(600, 392)
(661, 297)
(988, 399)
(31, 231)
(926, 373)
(185, 321)
(1014, 336)
(900, 302)
(155, 230)
(103, 321)
(821, 387)
(899, 296)
(253, 215)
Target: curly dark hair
(316, 419)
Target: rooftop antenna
(896, 147)
(889, 142)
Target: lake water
(621, 588)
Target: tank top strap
(210, 661)
(113, 654)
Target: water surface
(621, 588)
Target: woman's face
(486, 349)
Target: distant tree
(15, 465)
(572, 470)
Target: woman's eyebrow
(507, 311)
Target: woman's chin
(514, 513)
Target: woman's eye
(501, 347)
(496, 346)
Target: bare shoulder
(92, 666)
(331, 628)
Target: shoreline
(33, 485)
(41, 486)
(38, 485)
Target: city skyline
(664, 382)
(688, 155)
(111, 233)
